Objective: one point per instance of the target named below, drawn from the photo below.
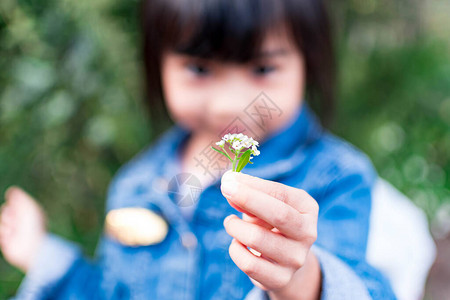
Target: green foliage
(71, 111)
(395, 94)
(399, 114)
(223, 153)
(244, 159)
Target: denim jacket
(193, 262)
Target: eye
(261, 70)
(198, 69)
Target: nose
(221, 104)
(226, 113)
(230, 95)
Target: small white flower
(247, 143)
(255, 151)
(237, 145)
(253, 142)
(238, 141)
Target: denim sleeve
(54, 259)
(339, 282)
(343, 225)
(257, 294)
(343, 228)
(60, 271)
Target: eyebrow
(271, 53)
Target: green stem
(228, 156)
(235, 159)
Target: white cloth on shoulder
(399, 242)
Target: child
(304, 204)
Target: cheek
(288, 95)
(183, 108)
(180, 100)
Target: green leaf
(222, 152)
(243, 160)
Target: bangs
(234, 31)
(227, 30)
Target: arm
(54, 259)
(307, 279)
(343, 232)
(346, 285)
(47, 260)
(279, 222)
(60, 271)
(340, 248)
(329, 286)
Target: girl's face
(205, 96)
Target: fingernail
(229, 187)
(229, 175)
(229, 183)
(226, 219)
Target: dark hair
(233, 30)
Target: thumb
(10, 191)
(15, 193)
(18, 198)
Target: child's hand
(22, 228)
(280, 222)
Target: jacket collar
(281, 152)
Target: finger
(278, 248)
(5, 231)
(270, 275)
(259, 222)
(16, 195)
(258, 284)
(6, 216)
(280, 215)
(19, 199)
(6, 211)
(297, 198)
(2, 238)
(2, 208)
(256, 221)
(10, 191)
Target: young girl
(302, 207)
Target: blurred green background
(71, 111)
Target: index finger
(278, 214)
(294, 197)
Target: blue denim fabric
(193, 261)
